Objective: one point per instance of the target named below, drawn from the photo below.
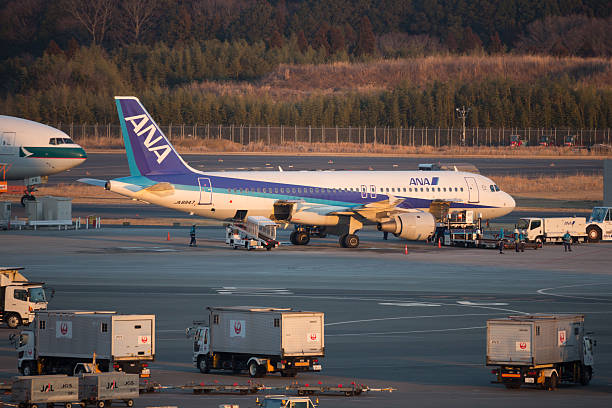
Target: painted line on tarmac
(544, 291)
(404, 332)
(409, 317)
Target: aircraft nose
(509, 202)
(80, 153)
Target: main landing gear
(349, 241)
(28, 195)
(302, 235)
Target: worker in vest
(567, 242)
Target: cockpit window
(60, 140)
(492, 187)
(497, 188)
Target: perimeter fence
(435, 137)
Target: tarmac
(414, 322)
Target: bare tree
(94, 15)
(136, 17)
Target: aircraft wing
(93, 182)
(375, 211)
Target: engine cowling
(417, 226)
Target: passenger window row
(298, 190)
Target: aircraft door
(205, 191)
(364, 191)
(472, 190)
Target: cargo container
(542, 230)
(60, 341)
(32, 392)
(19, 298)
(103, 389)
(259, 339)
(542, 350)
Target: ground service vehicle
(103, 389)
(260, 340)
(19, 298)
(542, 350)
(59, 342)
(33, 392)
(284, 401)
(542, 230)
(254, 232)
(599, 224)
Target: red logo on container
(237, 327)
(562, 337)
(144, 339)
(313, 336)
(64, 329)
(523, 345)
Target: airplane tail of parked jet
(148, 150)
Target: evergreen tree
(366, 42)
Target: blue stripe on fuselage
(342, 198)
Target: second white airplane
(341, 202)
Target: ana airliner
(31, 151)
(341, 202)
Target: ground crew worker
(385, 235)
(192, 234)
(567, 242)
(522, 239)
(517, 240)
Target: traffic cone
(439, 243)
(168, 239)
(406, 250)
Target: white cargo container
(260, 339)
(59, 341)
(542, 350)
(32, 392)
(542, 230)
(103, 389)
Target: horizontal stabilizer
(93, 182)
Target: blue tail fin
(148, 150)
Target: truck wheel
(539, 241)
(129, 403)
(203, 365)
(27, 369)
(593, 233)
(68, 405)
(100, 404)
(13, 320)
(254, 370)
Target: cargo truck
(259, 339)
(599, 224)
(61, 341)
(19, 298)
(542, 350)
(542, 230)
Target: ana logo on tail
(138, 124)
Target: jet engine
(415, 226)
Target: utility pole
(463, 112)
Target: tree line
(494, 103)
(356, 27)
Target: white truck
(63, 341)
(542, 230)
(19, 298)
(259, 339)
(541, 350)
(599, 224)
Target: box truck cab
(258, 339)
(19, 298)
(599, 225)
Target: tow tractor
(599, 224)
(253, 233)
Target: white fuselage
(31, 149)
(220, 195)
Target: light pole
(463, 112)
